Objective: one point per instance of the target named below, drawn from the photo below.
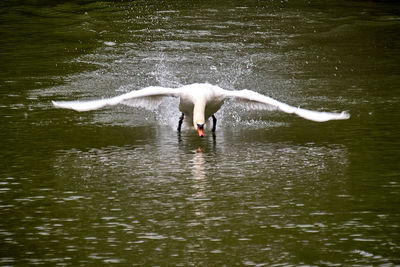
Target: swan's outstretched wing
(254, 100)
(148, 97)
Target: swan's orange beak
(200, 129)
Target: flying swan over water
(199, 102)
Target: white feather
(149, 103)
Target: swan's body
(199, 102)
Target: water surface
(121, 186)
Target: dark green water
(119, 186)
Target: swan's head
(200, 129)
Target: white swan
(199, 102)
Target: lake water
(119, 186)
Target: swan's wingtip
(55, 104)
(59, 104)
(345, 115)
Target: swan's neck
(198, 112)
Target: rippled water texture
(121, 186)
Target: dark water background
(120, 186)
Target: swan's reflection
(198, 170)
(199, 183)
(199, 202)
